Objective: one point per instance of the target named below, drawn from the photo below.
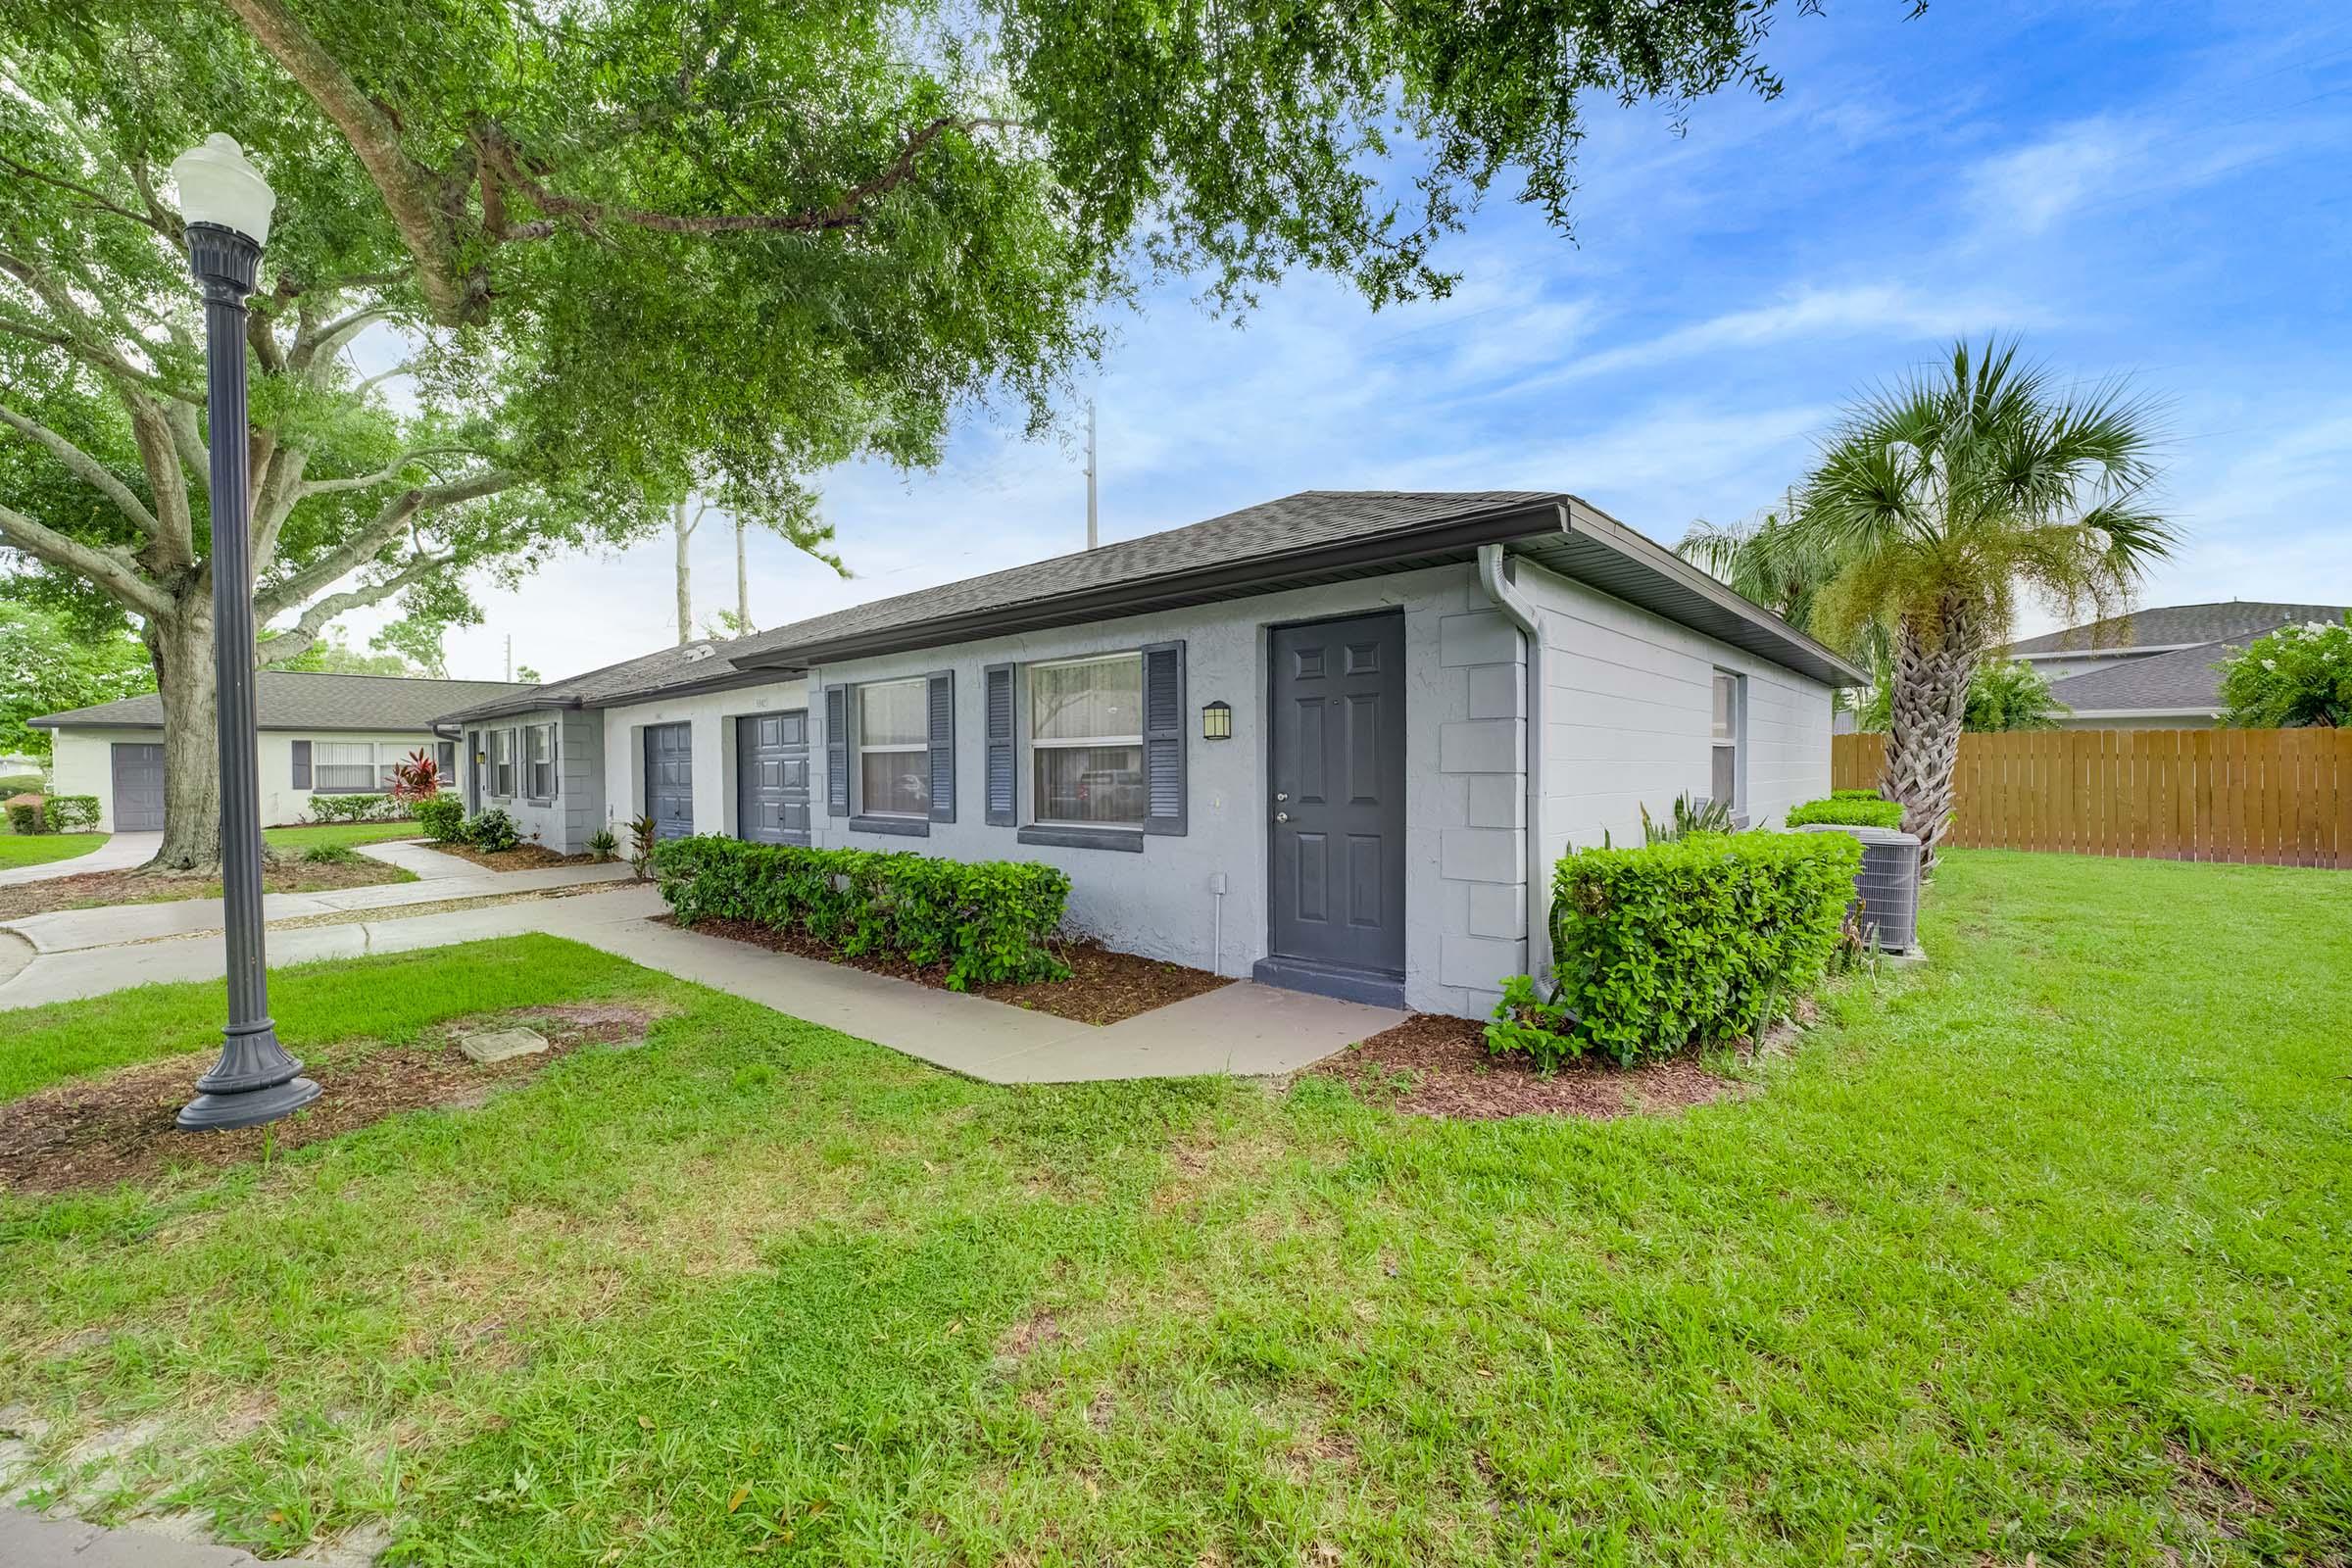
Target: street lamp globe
(218, 186)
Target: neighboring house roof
(305, 700)
(2174, 626)
(2182, 681)
(1316, 536)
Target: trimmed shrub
(356, 809)
(71, 814)
(1702, 939)
(493, 830)
(987, 921)
(443, 818)
(332, 855)
(1848, 808)
(26, 817)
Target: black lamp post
(227, 205)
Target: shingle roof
(1315, 535)
(2182, 681)
(303, 700)
(2174, 625)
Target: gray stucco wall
(565, 822)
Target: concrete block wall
(1482, 670)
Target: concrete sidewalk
(119, 853)
(1244, 1029)
(28, 1541)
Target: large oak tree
(646, 244)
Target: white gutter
(1505, 597)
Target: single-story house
(2154, 668)
(1292, 742)
(319, 735)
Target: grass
(2039, 1251)
(41, 849)
(348, 834)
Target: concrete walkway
(28, 1541)
(1244, 1029)
(119, 853)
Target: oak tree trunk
(1927, 703)
(181, 647)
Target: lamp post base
(254, 1081)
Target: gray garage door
(139, 788)
(669, 779)
(771, 777)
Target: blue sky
(2154, 191)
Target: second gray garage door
(669, 779)
(771, 777)
(139, 788)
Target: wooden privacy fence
(2277, 796)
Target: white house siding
(84, 764)
(711, 716)
(1628, 714)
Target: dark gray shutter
(302, 764)
(837, 750)
(1163, 738)
(943, 745)
(997, 719)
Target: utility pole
(1092, 533)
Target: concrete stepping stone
(492, 1046)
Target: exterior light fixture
(1216, 721)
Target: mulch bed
(522, 857)
(96, 1132)
(1434, 1065)
(1105, 987)
(87, 889)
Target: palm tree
(1940, 500)
(1767, 562)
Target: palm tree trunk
(1927, 689)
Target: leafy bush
(986, 921)
(418, 778)
(356, 809)
(1527, 1023)
(1857, 809)
(493, 830)
(1690, 816)
(603, 845)
(643, 836)
(332, 855)
(26, 817)
(2297, 677)
(71, 814)
(443, 818)
(1700, 939)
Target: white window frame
(501, 765)
(859, 751)
(1032, 743)
(319, 766)
(1735, 741)
(532, 738)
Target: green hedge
(1702, 939)
(443, 818)
(356, 809)
(1848, 808)
(987, 920)
(25, 818)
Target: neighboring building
(1291, 741)
(2154, 668)
(319, 735)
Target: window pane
(1725, 773)
(1084, 702)
(1726, 689)
(1090, 783)
(894, 782)
(346, 765)
(892, 715)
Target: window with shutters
(539, 754)
(1086, 742)
(894, 763)
(343, 767)
(502, 762)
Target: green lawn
(2040, 1251)
(41, 849)
(345, 833)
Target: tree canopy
(47, 665)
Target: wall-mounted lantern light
(1216, 721)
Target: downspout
(1505, 594)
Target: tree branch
(111, 570)
(88, 468)
(96, 201)
(383, 475)
(174, 547)
(361, 547)
(305, 631)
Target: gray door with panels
(771, 777)
(1338, 813)
(139, 788)
(669, 779)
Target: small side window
(1724, 782)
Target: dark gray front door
(474, 764)
(771, 777)
(139, 788)
(1338, 813)
(669, 779)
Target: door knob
(1282, 816)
